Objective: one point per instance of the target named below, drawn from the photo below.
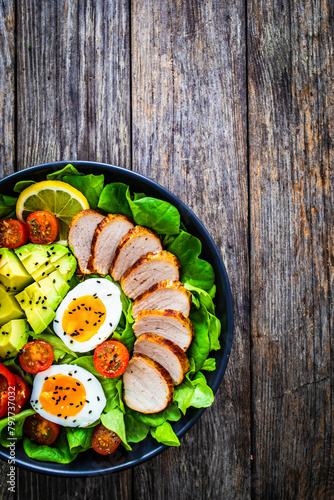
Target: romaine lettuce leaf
(135, 431)
(193, 392)
(58, 452)
(114, 420)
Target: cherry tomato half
(40, 430)
(13, 233)
(36, 356)
(22, 393)
(105, 441)
(42, 227)
(111, 358)
(7, 383)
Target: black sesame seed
(98, 398)
(53, 281)
(78, 384)
(59, 415)
(88, 380)
(56, 321)
(45, 378)
(90, 411)
(87, 322)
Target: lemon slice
(57, 197)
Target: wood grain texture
(73, 82)
(7, 87)
(189, 134)
(7, 136)
(291, 184)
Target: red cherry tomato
(13, 233)
(111, 358)
(42, 227)
(36, 356)
(7, 384)
(40, 430)
(105, 441)
(22, 393)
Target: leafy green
(201, 296)
(164, 434)
(90, 185)
(209, 365)
(22, 185)
(136, 431)
(193, 392)
(200, 347)
(171, 413)
(7, 206)
(113, 199)
(58, 452)
(79, 438)
(60, 174)
(159, 215)
(13, 367)
(11, 429)
(214, 332)
(114, 420)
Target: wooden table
(229, 104)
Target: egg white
(95, 398)
(109, 294)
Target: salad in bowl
(110, 338)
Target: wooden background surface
(229, 104)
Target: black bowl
(89, 463)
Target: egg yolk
(62, 396)
(83, 317)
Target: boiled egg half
(88, 314)
(68, 395)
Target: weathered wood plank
(73, 103)
(73, 82)
(7, 87)
(7, 137)
(291, 186)
(189, 134)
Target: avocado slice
(13, 336)
(41, 260)
(49, 290)
(59, 283)
(36, 307)
(9, 307)
(13, 275)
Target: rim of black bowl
(206, 240)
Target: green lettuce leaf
(113, 199)
(195, 392)
(214, 332)
(60, 174)
(159, 215)
(90, 186)
(201, 296)
(58, 452)
(59, 348)
(171, 413)
(209, 365)
(79, 438)
(200, 347)
(195, 271)
(114, 420)
(10, 432)
(7, 206)
(164, 434)
(22, 185)
(135, 431)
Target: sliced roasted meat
(147, 386)
(107, 236)
(80, 235)
(169, 324)
(149, 270)
(164, 352)
(137, 242)
(165, 295)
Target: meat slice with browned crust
(107, 236)
(164, 295)
(80, 235)
(147, 386)
(137, 242)
(149, 270)
(164, 352)
(169, 324)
